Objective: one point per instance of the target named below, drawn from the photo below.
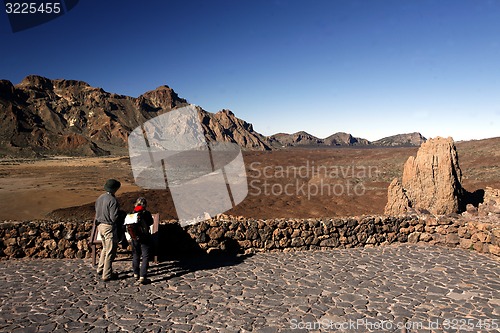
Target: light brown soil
(345, 181)
(30, 189)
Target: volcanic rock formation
(431, 181)
(43, 116)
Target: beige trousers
(109, 247)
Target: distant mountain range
(40, 116)
(304, 139)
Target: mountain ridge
(342, 139)
(42, 116)
(67, 117)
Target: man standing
(107, 216)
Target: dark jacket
(147, 221)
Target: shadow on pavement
(179, 254)
(164, 271)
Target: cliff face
(225, 126)
(43, 116)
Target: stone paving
(401, 288)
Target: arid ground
(286, 183)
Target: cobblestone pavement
(428, 289)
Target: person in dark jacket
(107, 218)
(141, 241)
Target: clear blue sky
(370, 68)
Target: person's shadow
(179, 254)
(164, 271)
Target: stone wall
(250, 236)
(49, 239)
(45, 239)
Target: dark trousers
(140, 250)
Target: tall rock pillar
(431, 181)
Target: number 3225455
(32, 8)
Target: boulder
(491, 202)
(431, 181)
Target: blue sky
(372, 68)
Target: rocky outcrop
(398, 202)
(225, 126)
(44, 116)
(408, 139)
(162, 98)
(431, 181)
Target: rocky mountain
(296, 139)
(341, 139)
(303, 139)
(225, 126)
(344, 139)
(43, 116)
(409, 139)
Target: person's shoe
(114, 276)
(124, 244)
(144, 280)
(136, 276)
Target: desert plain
(296, 182)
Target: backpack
(136, 226)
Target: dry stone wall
(477, 230)
(45, 239)
(250, 236)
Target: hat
(141, 201)
(112, 185)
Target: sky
(371, 68)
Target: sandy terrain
(292, 183)
(29, 189)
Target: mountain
(344, 139)
(341, 139)
(296, 139)
(225, 126)
(409, 139)
(41, 116)
(44, 116)
(303, 139)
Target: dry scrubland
(345, 181)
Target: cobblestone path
(424, 289)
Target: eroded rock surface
(431, 181)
